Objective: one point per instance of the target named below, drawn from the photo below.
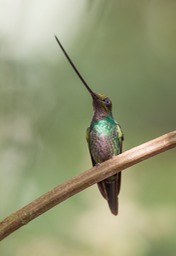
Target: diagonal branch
(84, 180)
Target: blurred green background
(125, 49)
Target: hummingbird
(104, 137)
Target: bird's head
(101, 102)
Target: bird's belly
(102, 148)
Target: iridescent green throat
(104, 126)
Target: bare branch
(84, 180)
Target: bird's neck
(100, 114)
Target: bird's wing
(88, 141)
(120, 136)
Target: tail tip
(114, 207)
(114, 211)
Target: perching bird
(104, 137)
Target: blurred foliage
(126, 49)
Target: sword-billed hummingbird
(104, 138)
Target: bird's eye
(107, 101)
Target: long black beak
(94, 96)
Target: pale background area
(125, 49)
